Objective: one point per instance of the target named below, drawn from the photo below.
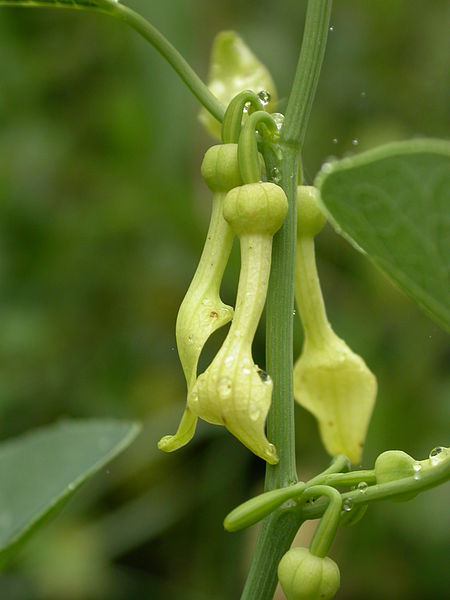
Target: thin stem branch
(307, 74)
(147, 31)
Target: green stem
(248, 156)
(279, 529)
(151, 34)
(307, 74)
(426, 479)
(327, 527)
(232, 122)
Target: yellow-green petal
(233, 69)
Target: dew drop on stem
(264, 96)
(347, 505)
(275, 175)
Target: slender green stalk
(147, 31)
(307, 74)
(278, 530)
(326, 529)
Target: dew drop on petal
(362, 487)
(265, 378)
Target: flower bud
(304, 576)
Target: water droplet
(417, 467)
(224, 386)
(331, 28)
(355, 141)
(229, 359)
(206, 302)
(247, 106)
(71, 486)
(363, 94)
(275, 175)
(362, 487)
(246, 371)
(294, 312)
(264, 96)
(291, 503)
(190, 339)
(436, 455)
(347, 504)
(270, 451)
(193, 397)
(435, 451)
(279, 120)
(335, 140)
(265, 378)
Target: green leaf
(41, 470)
(233, 69)
(393, 203)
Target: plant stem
(151, 34)
(278, 530)
(307, 74)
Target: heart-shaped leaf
(41, 470)
(394, 204)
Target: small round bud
(310, 218)
(392, 465)
(255, 208)
(220, 168)
(304, 576)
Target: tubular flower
(330, 380)
(233, 391)
(202, 311)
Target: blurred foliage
(103, 214)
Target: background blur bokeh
(102, 219)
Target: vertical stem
(307, 74)
(279, 337)
(278, 530)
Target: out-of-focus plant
(390, 203)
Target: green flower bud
(396, 464)
(392, 465)
(310, 218)
(233, 69)
(233, 391)
(304, 576)
(256, 208)
(202, 311)
(330, 380)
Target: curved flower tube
(202, 311)
(233, 391)
(330, 380)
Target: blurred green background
(102, 219)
